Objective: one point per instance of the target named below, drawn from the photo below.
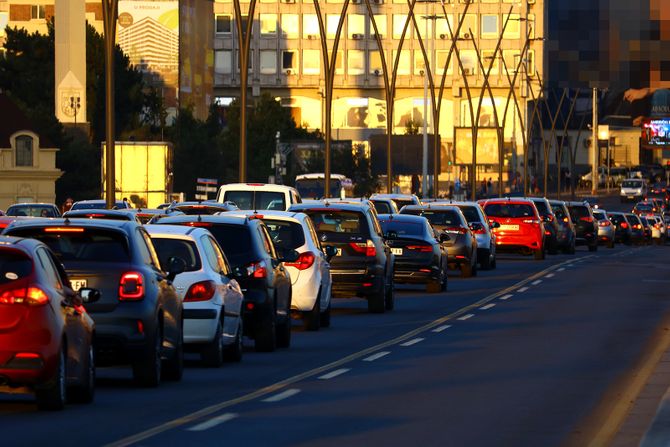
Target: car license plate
(339, 252)
(77, 284)
(509, 227)
(631, 197)
(397, 251)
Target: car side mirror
(175, 267)
(390, 235)
(330, 251)
(444, 237)
(289, 256)
(494, 224)
(88, 295)
(546, 219)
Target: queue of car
(142, 287)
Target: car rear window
(285, 235)
(599, 215)
(402, 202)
(437, 217)
(167, 248)
(542, 207)
(14, 265)
(512, 210)
(644, 207)
(559, 212)
(382, 207)
(81, 243)
(236, 242)
(256, 200)
(404, 229)
(339, 221)
(471, 214)
(631, 184)
(617, 218)
(94, 215)
(632, 219)
(34, 211)
(578, 211)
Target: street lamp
(110, 11)
(604, 134)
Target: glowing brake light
(420, 248)
(456, 230)
(305, 260)
(257, 270)
(586, 219)
(199, 224)
(367, 248)
(531, 221)
(63, 230)
(604, 223)
(624, 225)
(32, 296)
(131, 287)
(566, 220)
(200, 291)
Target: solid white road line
(213, 422)
(536, 282)
(441, 328)
(550, 275)
(487, 307)
(523, 289)
(413, 341)
(506, 297)
(337, 372)
(466, 317)
(283, 395)
(376, 356)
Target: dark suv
(260, 271)
(363, 265)
(586, 226)
(139, 315)
(566, 229)
(551, 228)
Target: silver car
(605, 228)
(481, 227)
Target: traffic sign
(204, 188)
(208, 181)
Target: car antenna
(66, 221)
(199, 217)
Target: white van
(259, 196)
(633, 189)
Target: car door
(281, 279)
(323, 264)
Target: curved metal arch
(559, 149)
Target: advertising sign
(487, 146)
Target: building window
(290, 25)
(355, 62)
(24, 151)
(490, 26)
(310, 26)
(339, 63)
(4, 18)
(441, 56)
(513, 28)
(469, 26)
(509, 58)
(245, 22)
(289, 61)
(531, 26)
(376, 63)
(399, 21)
(488, 60)
(444, 28)
(419, 62)
(311, 62)
(404, 62)
(250, 61)
(380, 21)
(223, 24)
(268, 62)
(529, 63)
(37, 12)
(332, 20)
(469, 61)
(268, 24)
(223, 62)
(356, 26)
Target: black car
(419, 255)
(622, 229)
(636, 229)
(260, 271)
(462, 243)
(566, 229)
(139, 314)
(586, 226)
(551, 226)
(363, 265)
(33, 210)
(646, 230)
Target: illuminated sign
(656, 133)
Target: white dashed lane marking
(283, 395)
(376, 356)
(550, 275)
(412, 341)
(332, 374)
(466, 317)
(536, 282)
(506, 297)
(487, 307)
(562, 269)
(213, 422)
(523, 289)
(441, 328)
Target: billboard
(148, 33)
(487, 146)
(656, 134)
(407, 150)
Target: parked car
(98, 205)
(420, 256)
(363, 265)
(550, 224)
(384, 205)
(33, 210)
(259, 196)
(310, 273)
(212, 298)
(462, 243)
(606, 230)
(399, 199)
(259, 270)
(482, 229)
(622, 228)
(520, 225)
(586, 227)
(637, 231)
(45, 333)
(139, 315)
(122, 214)
(633, 189)
(566, 229)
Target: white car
(212, 300)
(310, 274)
(259, 196)
(658, 229)
(633, 189)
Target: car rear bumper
(123, 338)
(359, 282)
(200, 322)
(510, 243)
(305, 292)
(415, 273)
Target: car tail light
(624, 225)
(456, 230)
(32, 296)
(420, 248)
(637, 226)
(550, 218)
(368, 248)
(531, 221)
(566, 220)
(604, 223)
(199, 224)
(304, 261)
(479, 230)
(257, 270)
(200, 291)
(131, 287)
(26, 355)
(63, 230)
(586, 219)
(657, 226)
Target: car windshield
(578, 211)
(257, 200)
(14, 265)
(235, 241)
(31, 210)
(81, 243)
(559, 212)
(285, 235)
(167, 248)
(514, 210)
(439, 217)
(631, 184)
(471, 214)
(404, 229)
(335, 221)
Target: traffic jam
(142, 288)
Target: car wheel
(266, 335)
(85, 392)
(284, 332)
(466, 270)
(52, 395)
(389, 295)
(376, 302)
(610, 244)
(233, 353)
(539, 254)
(434, 286)
(147, 370)
(593, 247)
(212, 354)
(173, 368)
(325, 317)
(485, 262)
(312, 318)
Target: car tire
(234, 352)
(593, 247)
(433, 286)
(485, 262)
(84, 393)
(389, 295)
(610, 244)
(539, 254)
(147, 369)
(377, 302)
(325, 317)
(312, 318)
(52, 395)
(173, 368)
(494, 263)
(284, 331)
(265, 339)
(212, 353)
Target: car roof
(223, 218)
(394, 196)
(175, 230)
(280, 215)
(334, 205)
(401, 218)
(433, 207)
(510, 200)
(257, 187)
(119, 225)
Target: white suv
(633, 189)
(259, 196)
(212, 300)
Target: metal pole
(109, 16)
(424, 164)
(594, 145)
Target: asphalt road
(521, 355)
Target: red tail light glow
(456, 230)
(531, 221)
(131, 287)
(199, 224)
(304, 261)
(586, 219)
(368, 248)
(26, 355)
(624, 225)
(63, 230)
(420, 248)
(257, 270)
(637, 226)
(200, 291)
(604, 223)
(32, 296)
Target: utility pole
(594, 144)
(110, 11)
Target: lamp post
(110, 10)
(604, 134)
(594, 146)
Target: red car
(520, 226)
(45, 333)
